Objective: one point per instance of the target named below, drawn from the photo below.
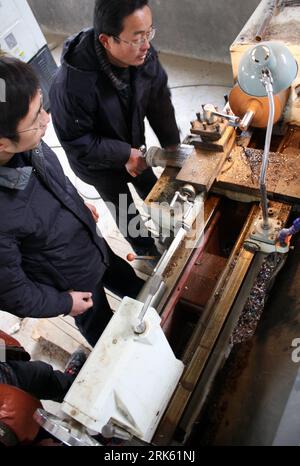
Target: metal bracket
(265, 240)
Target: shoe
(149, 264)
(147, 251)
(75, 363)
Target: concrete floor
(193, 82)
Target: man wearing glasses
(110, 80)
(52, 261)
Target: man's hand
(136, 163)
(93, 210)
(284, 235)
(286, 232)
(82, 301)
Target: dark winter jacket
(89, 115)
(48, 239)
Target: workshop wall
(193, 28)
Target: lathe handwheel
(69, 432)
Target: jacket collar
(82, 52)
(15, 178)
(18, 178)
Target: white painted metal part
(128, 379)
(167, 217)
(20, 34)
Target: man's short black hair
(19, 85)
(109, 15)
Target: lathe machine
(218, 215)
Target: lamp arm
(267, 81)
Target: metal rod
(233, 118)
(173, 201)
(132, 257)
(162, 264)
(165, 259)
(267, 81)
(111, 430)
(266, 20)
(246, 121)
(155, 283)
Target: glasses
(147, 36)
(37, 117)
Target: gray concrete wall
(200, 28)
(195, 28)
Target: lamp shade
(273, 56)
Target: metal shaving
(278, 165)
(251, 314)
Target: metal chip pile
(251, 314)
(278, 165)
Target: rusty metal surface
(253, 393)
(266, 19)
(185, 256)
(219, 353)
(164, 188)
(288, 185)
(205, 335)
(208, 132)
(205, 144)
(284, 26)
(203, 166)
(248, 320)
(205, 271)
(241, 171)
(209, 330)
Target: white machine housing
(20, 34)
(22, 38)
(128, 379)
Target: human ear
(104, 40)
(3, 144)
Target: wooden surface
(202, 167)
(240, 174)
(61, 332)
(165, 187)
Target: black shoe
(141, 243)
(75, 362)
(148, 251)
